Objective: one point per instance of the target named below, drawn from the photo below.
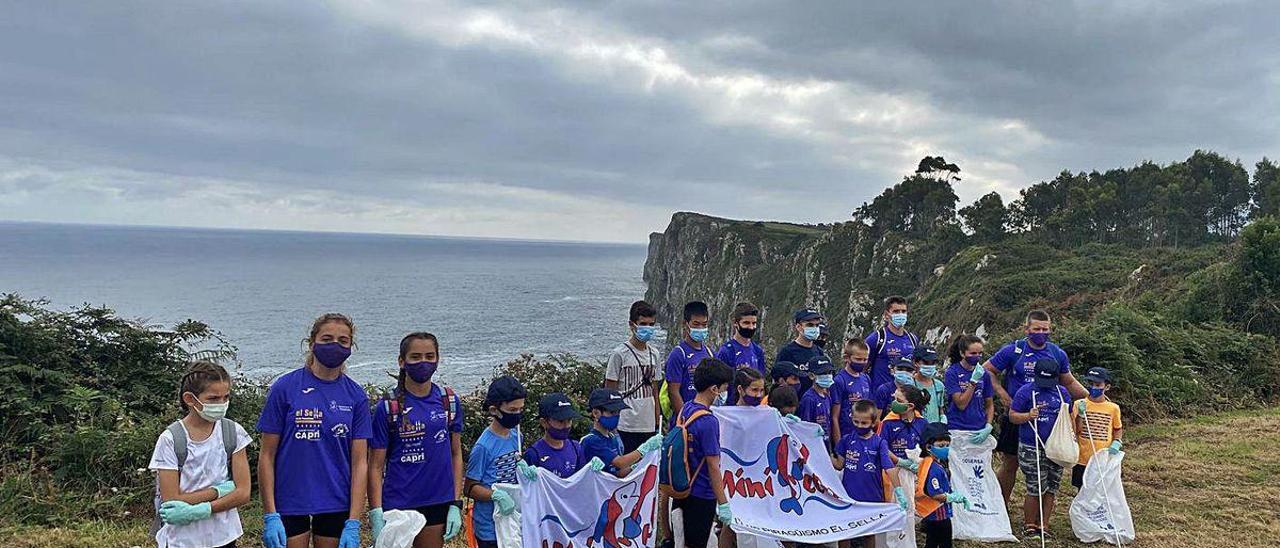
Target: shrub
(556, 373)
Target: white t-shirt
(628, 367)
(206, 466)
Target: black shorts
(320, 525)
(1077, 476)
(632, 440)
(436, 514)
(1007, 439)
(697, 517)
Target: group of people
(328, 452)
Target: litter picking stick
(1039, 477)
(1106, 498)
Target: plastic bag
(1100, 511)
(1061, 446)
(507, 528)
(986, 519)
(906, 538)
(401, 528)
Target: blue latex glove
(954, 497)
(505, 505)
(792, 418)
(273, 535)
(978, 373)
(452, 523)
(350, 534)
(981, 435)
(376, 522)
(908, 464)
(595, 464)
(652, 444)
(176, 512)
(723, 513)
(901, 497)
(530, 473)
(225, 488)
(1115, 447)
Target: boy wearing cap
(904, 374)
(707, 500)
(740, 350)
(1097, 420)
(635, 370)
(494, 457)
(603, 442)
(933, 495)
(686, 356)
(852, 384)
(1035, 408)
(801, 349)
(555, 451)
(785, 373)
(928, 381)
(890, 341)
(815, 404)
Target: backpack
(882, 334)
(675, 478)
(391, 405)
(180, 451)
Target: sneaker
(1032, 533)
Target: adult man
(890, 341)
(1017, 362)
(740, 350)
(633, 369)
(801, 349)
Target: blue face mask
(899, 319)
(812, 332)
(1096, 392)
(698, 335)
(929, 370)
(903, 377)
(824, 381)
(645, 332)
(940, 453)
(609, 423)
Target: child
(555, 451)
(633, 370)
(904, 374)
(786, 374)
(852, 384)
(415, 462)
(707, 500)
(494, 457)
(933, 487)
(313, 469)
(904, 426)
(1097, 421)
(686, 356)
(783, 398)
(603, 442)
(1035, 408)
(815, 404)
(200, 494)
(927, 380)
(969, 390)
(749, 385)
(864, 457)
(740, 351)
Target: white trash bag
(1100, 511)
(1061, 447)
(507, 528)
(986, 520)
(906, 538)
(401, 528)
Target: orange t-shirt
(1100, 420)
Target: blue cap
(1046, 375)
(821, 365)
(925, 354)
(782, 370)
(806, 314)
(557, 406)
(504, 389)
(607, 399)
(1098, 374)
(904, 362)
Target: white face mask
(213, 412)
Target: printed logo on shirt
(307, 424)
(308, 390)
(545, 458)
(936, 485)
(339, 430)
(335, 406)
(869, 467)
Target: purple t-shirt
(847, 390)
(936, 482)
(895, 346)
(704, 441)
(974, 415)
(1017, 360)
(816, 408)
(1050, 398)
(884, 395)
(864, 461)
(606, 448)
(737, 355)
(902, 435)
(316, 421)
(681, 362)
(419, 468)
(563, 462)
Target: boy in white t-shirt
(199, 495)
(635, 370)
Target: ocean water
(487, 300)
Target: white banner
(782, 485)
(591, 509)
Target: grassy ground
(1211, 481)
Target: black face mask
(820, 343)
(747, 332)
(509, 420)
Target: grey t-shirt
(630, 367)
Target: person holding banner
(494, 457)
(603, 442)
(864, 458)
(707, 500)
(555, 452)
(749, 385)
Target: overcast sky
(597, 120)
